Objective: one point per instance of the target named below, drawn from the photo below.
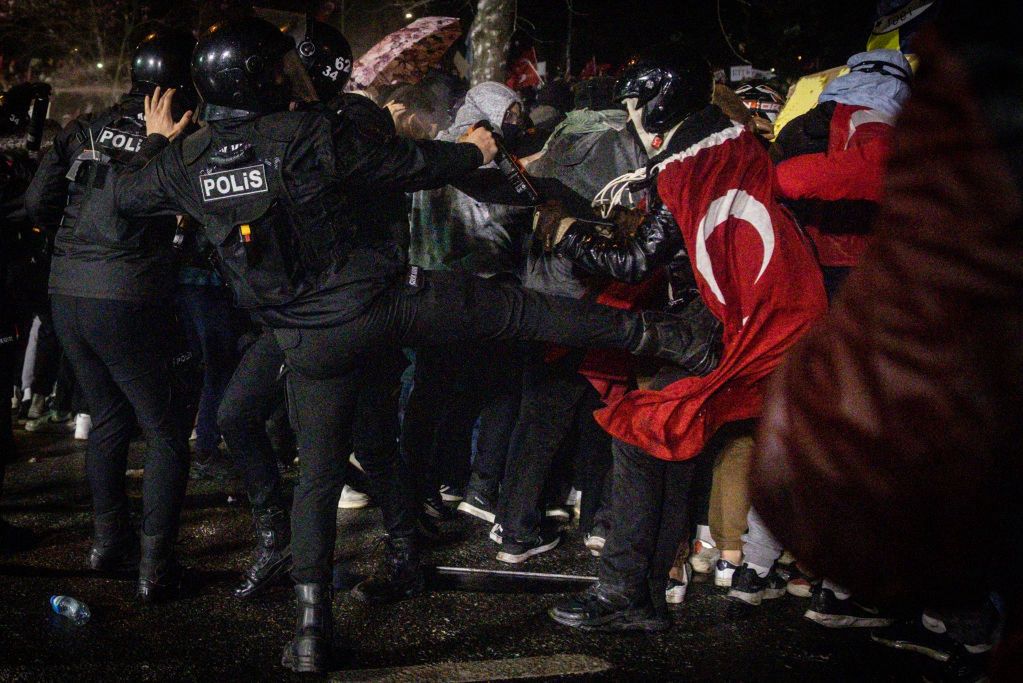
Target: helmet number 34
(341, 66)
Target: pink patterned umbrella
(407, 54)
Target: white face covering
(649, 140)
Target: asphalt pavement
(461, 629)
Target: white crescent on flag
(745, 207)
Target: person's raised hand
(484, 140)
(160, 119)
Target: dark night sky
(775, 31)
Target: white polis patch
(236, 182)
(119, 139)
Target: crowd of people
(448, 300)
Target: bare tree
(491, 35)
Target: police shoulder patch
(235, 182)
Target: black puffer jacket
(96, 254)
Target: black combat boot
(690, 339)
(159, 572)
(311, 650)
(273, 552)
(398, 576)
(115, 544)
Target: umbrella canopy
(407, 54)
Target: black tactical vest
(277, 240)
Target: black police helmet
(162, 59)
(326, 56)
(669, 86)
(238, 69)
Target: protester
(764, 292)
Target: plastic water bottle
(74, 610)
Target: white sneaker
(83, 425)
(497, 534)
(723, 572)
(704, 557)
(675, 593)
(355, 463)
(595, 542)
(194, 436)
(352, 499)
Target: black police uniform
(110, 283)
(268, 192)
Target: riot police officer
(110, 284)
(264, 182)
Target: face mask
(512, 133)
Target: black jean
(454, 387)
(555, 399)
(649, 518)
(256, 390)
(253, 393)
(121, 358)
(448, 309)
(8, 353)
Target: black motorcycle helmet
(326, 56)
(669, 86)
(239, 69)
(162, 59)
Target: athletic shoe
(496, 534)
(827, 610)
(723, 571)
(53, 422)
(750, 588)
(450, 494)
(83, 425)
(355, 463)
(798, 583)
(704, 557)
(477, 504)
(595, 541)
(558, 513)
(352, 499)
(600, 610)
(37, 408)
(435, 507)
(675, 593)
(515, 552)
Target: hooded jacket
(831, 160)
(453, 231)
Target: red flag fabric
(593, 70)
(524, 72)
(758, 275)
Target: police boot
(399, 574)
(311, 649)
(160, 573)
(693, 342)
(273, 552)
(115, 545)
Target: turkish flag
(757, 273)
(524, 72)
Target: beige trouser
(729, 494)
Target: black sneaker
(211, 466)
(827, 610)
(451, 494)
(478, 504)
(750, 588)
(598, 609)
(434, 506)
(515, 552)
(911, 636)
(427, 528)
